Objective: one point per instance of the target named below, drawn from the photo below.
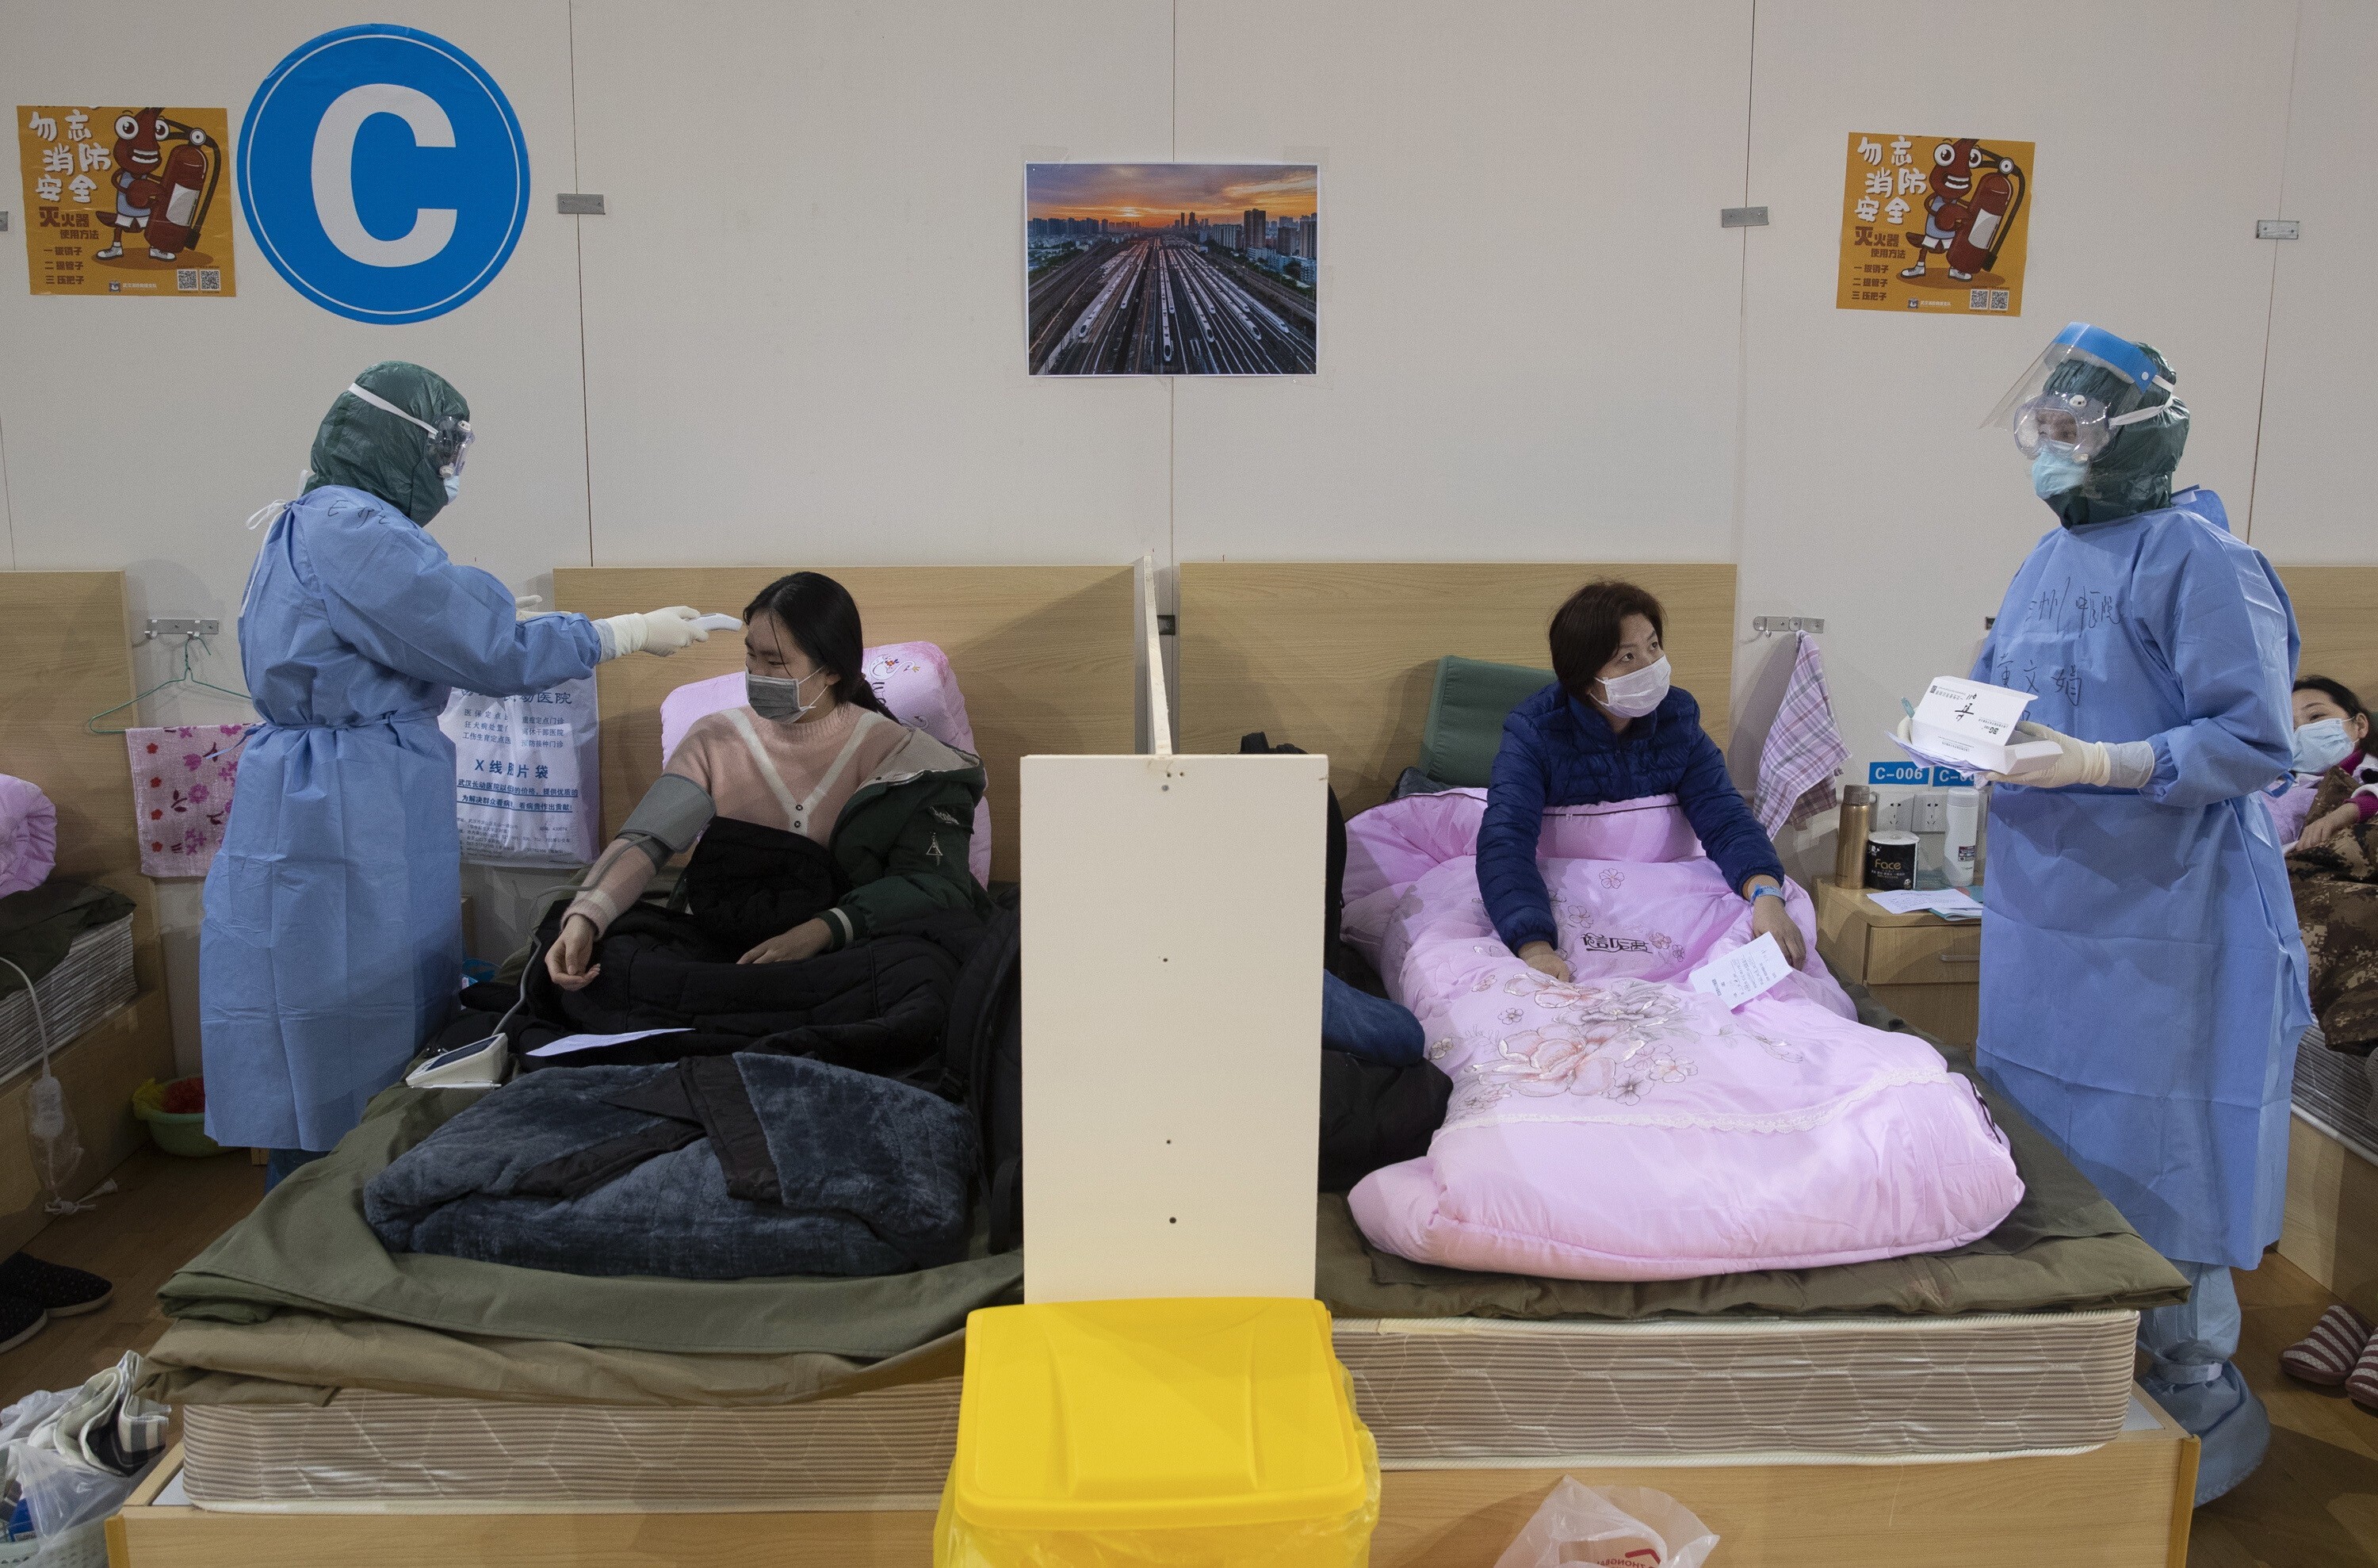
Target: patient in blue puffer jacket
(1611, 727)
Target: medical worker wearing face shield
(332, 943)
(2143, 980)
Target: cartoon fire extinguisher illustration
(1975, 195)
(165, 194)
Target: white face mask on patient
(1637, 692)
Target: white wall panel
(804, 313)
(1528, 315)
(1871, 498)
(2312, 473)
(141, 433)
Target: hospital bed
(1338, 658)
(2331, 1204)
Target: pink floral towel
(182, 781)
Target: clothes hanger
(189, 677)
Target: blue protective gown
(332, 943)
(2143, 979)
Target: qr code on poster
(185, 279)
(1987, 299)
(210, 282)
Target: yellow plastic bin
(1190, 1433)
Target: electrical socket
(1889, 813)
(1931, 813)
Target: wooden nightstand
(1921, 967)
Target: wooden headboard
(1339, 657)
(66, 654)
(2337, 611)
(1042, 654)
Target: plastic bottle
(1957, 847)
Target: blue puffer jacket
(1559, 752)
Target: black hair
(824, 620)
(2335, 691)
(1586, 631)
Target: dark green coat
(902, 839)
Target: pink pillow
(915, 682)
(29, 835)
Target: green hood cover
(370, 449)
(2134, 474)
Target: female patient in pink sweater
(813, 753)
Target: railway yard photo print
(1171, 269)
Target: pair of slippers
(2341, 1350)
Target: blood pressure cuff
(669, 818)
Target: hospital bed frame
(2122, 1505)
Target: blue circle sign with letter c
(383, 172)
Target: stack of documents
(1949, 903)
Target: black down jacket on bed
(879, 1005)
(719, 1167)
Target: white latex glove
(660, 633)
(2076, 762)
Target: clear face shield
(2081, 424)
(449, 438)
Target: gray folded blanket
(716, 1167)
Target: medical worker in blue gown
(2143, 981)
(332, 943)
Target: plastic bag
(64, 1496)
(526, 776)
(1617, 1526)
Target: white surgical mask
(2321, 745)
(778, 699)
(1637, 692)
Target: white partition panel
(1171, 1024)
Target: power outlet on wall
(1891, 813)
(1931, 813)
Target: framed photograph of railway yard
(1171, 269)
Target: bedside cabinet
(1923, 967)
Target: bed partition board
(2331, 1231)
(2120, 1505)
(1042, 654)
(1338, 656)
(66, 654)
(1171, 1024)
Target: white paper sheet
(1972, 710)
(1743, 973)
(1950, 903)
(570, 1042)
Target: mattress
(1436, 1394)
(91, 982)
(2332, 1090)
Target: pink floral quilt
(1623, 1126)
